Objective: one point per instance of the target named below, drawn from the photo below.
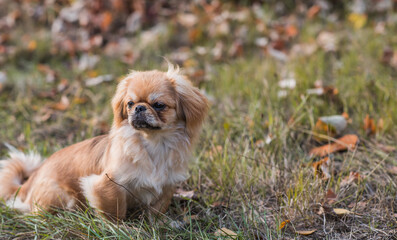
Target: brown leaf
(321, 168)
(313, 11)
(347, 142)
(219, 204)
(291, 31)
(106, 21)
(32, 45)
(282, 225)
(330, 196)
(226, 232)
(61, 105)
(369, 125)
(306, 232)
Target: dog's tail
(16, 170)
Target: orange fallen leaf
(106, 20)
(282, 225)
(347, 142)
(61, 105)
(321, 168)
(291, 31)
(369, 125)
(306, 232)
(32, 45)
(313, 11)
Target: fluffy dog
(157, 118)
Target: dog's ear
(118, 104)
(192, 105)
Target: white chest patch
(147, 164)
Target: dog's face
(157, 101)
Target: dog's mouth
(140, 124)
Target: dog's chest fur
(150, 164)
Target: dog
(157, 119)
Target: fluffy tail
(16, 170)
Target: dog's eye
(130, 104)
(158, 106)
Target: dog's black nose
(140, 108)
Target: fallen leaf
(63, 85)
(330, 126)
(61, 105)
(106, 21)
(306, 232)
(313, 11)
(358, 20)
(291, 31)
(226, 232)
(282, 225)
(180, 193)
(339, 122)
(50, 74)
(219, 204)
(261, 42)
(321, 168)
(369, 125)
(32, 45)
(187, 20)
(359, 205)
(347, 142)
(330, 196)
(341, 211)
(277, 54)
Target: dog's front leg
(105, 195)
(160, 206)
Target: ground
(270, 72)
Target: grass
(241, 182)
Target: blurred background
(56, 53)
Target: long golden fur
(157, 118)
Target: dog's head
(157, 101)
